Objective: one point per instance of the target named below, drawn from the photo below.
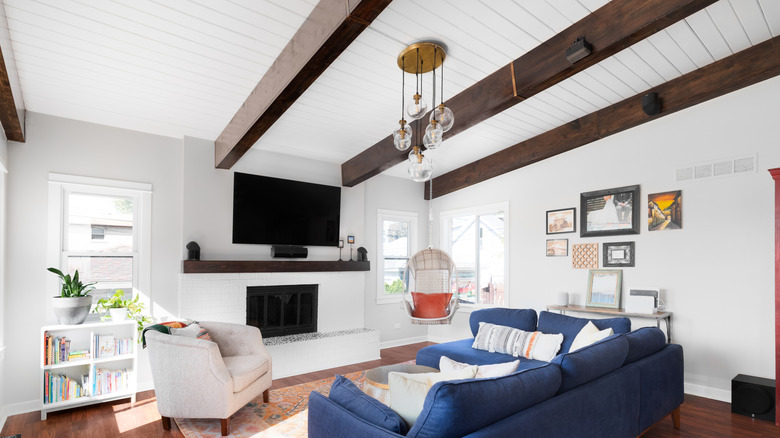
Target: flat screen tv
(275, 211)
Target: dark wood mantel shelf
(235, 266)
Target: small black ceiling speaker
(753, 396)
(651, 104)
(579, 49)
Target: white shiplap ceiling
(184, 67)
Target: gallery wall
(716, 273)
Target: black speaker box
(753, 396)
(289, 252)
(651, 104)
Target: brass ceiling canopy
(409, 62)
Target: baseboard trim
(21, 408)
(405, 341)
(708, 392)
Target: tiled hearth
(342, 340)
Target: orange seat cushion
(430, 305)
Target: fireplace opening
(282, 310)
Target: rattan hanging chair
(430, 271)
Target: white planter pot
(71, 310)
(119, 314)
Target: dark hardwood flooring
(700, 417)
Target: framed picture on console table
(604, 288)
(610, 212)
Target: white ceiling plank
(640, 67)
(752, 19)
(672, 52)
(725, 18)
(708, 33)
(656, 60)
(771, 9)
(684, 36)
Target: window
(103, 231)
(476, 240)
(397, 233)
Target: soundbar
(289, 252)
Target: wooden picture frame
(618, 254)
(563, 220)
(610, 212)
(557, 247)
(604, 288)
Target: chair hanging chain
(430, 213)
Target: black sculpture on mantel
(362, 254)
(193, 251)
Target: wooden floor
(700, 417)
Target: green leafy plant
(132, 306)
(72, 286)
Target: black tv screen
(277, 211)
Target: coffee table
(376, 379)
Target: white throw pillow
(588, 335)
(546, 346)
(408, 391)
(447, 365)
(191, 331)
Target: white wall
(390, 193)
(65, 146)
(716, 273)
(208, 200)
(3, 213)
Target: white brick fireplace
(222, 297)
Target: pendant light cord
(403, 85)
(430, 213)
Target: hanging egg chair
(428, 296)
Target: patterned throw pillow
(508, 340)
(202, 333)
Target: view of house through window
(395, 246)
(477, 245)
(99, 239)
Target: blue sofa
(618, 387)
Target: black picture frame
(619, 254)
(563, 220)
(610, 212)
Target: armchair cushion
(245, 369)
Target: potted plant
(73, 303)
(120, 308)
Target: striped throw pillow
(519, 343)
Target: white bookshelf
(82, 337)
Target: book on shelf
(57, 388)
(108, 381)
(56, 349)
(104, 345)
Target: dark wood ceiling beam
(737, 71)
(326, 33)
(609, 29)
(9, 114)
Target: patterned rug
(286, 414)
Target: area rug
(286, 414)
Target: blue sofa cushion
(643, 342)
(350, 397)
(457, 408)
(591, 362)
(461, 351)
(570, 326)
(523, 319)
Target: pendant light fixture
(421, 58)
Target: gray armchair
(195, 378)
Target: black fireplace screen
(282, 310)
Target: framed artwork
(617, 254)
(562, 221)
(664, 211)
(351, 239)
(557, 247)
(585, 255)
(604, 288)
(610, 212)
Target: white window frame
(445, 219)
(61, 186)
(381, 217)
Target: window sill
(389, 300)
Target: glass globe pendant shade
(402, 137)
(413, 154)
(421, 170)
(433, 135)
(417, 107)
(444, 116)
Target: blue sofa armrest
(328, 419)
